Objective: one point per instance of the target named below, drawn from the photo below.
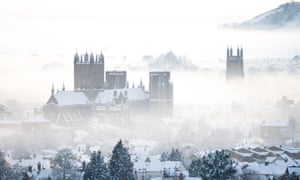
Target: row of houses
(263, 162)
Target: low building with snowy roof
(264, 162)
(273, 167)
(148, 167)
(293, 170)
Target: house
(293, 170)
(147, 167)
(264, 162)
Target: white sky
(39, 33)
(34, 24)
(135, 9)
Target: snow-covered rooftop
(294, 169)
(156, 166)
(66, 98)
(136, 94)
(133, 94)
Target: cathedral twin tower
(234, 64)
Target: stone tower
(234, 64)
(161, 93)
(88, 71)
(115, 79)
(160, 86)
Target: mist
(209, 112)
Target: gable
(52, 100)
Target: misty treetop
(175, 155)
(120, 164)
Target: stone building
(234, 64)
(92, 96)
(88, 71)
(115, 79)
(161, 92)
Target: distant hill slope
(285, 16)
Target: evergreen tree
(164, 157)
(216, 165)
(175, 155)
(194, 169)
(292, 176)
(120, 165)
(96, 168)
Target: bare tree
(65, 159)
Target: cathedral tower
(234, 64)
(88, 71)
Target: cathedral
(107, 94)
(234, 65)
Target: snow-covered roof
(136, 94)
(244, 155)
(105, 97)
(266, 161)
(69, 98)
(133, 94)
(294, 169)
(156, 166)
(291, 150)
(277, 167)
(261, 153)
(275, 149)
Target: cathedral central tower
(88, 71)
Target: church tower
(234, 64)
(88, 71)
(161, 93)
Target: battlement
(89, 71)
(238, 54)
(160, 86)
(88, 59)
